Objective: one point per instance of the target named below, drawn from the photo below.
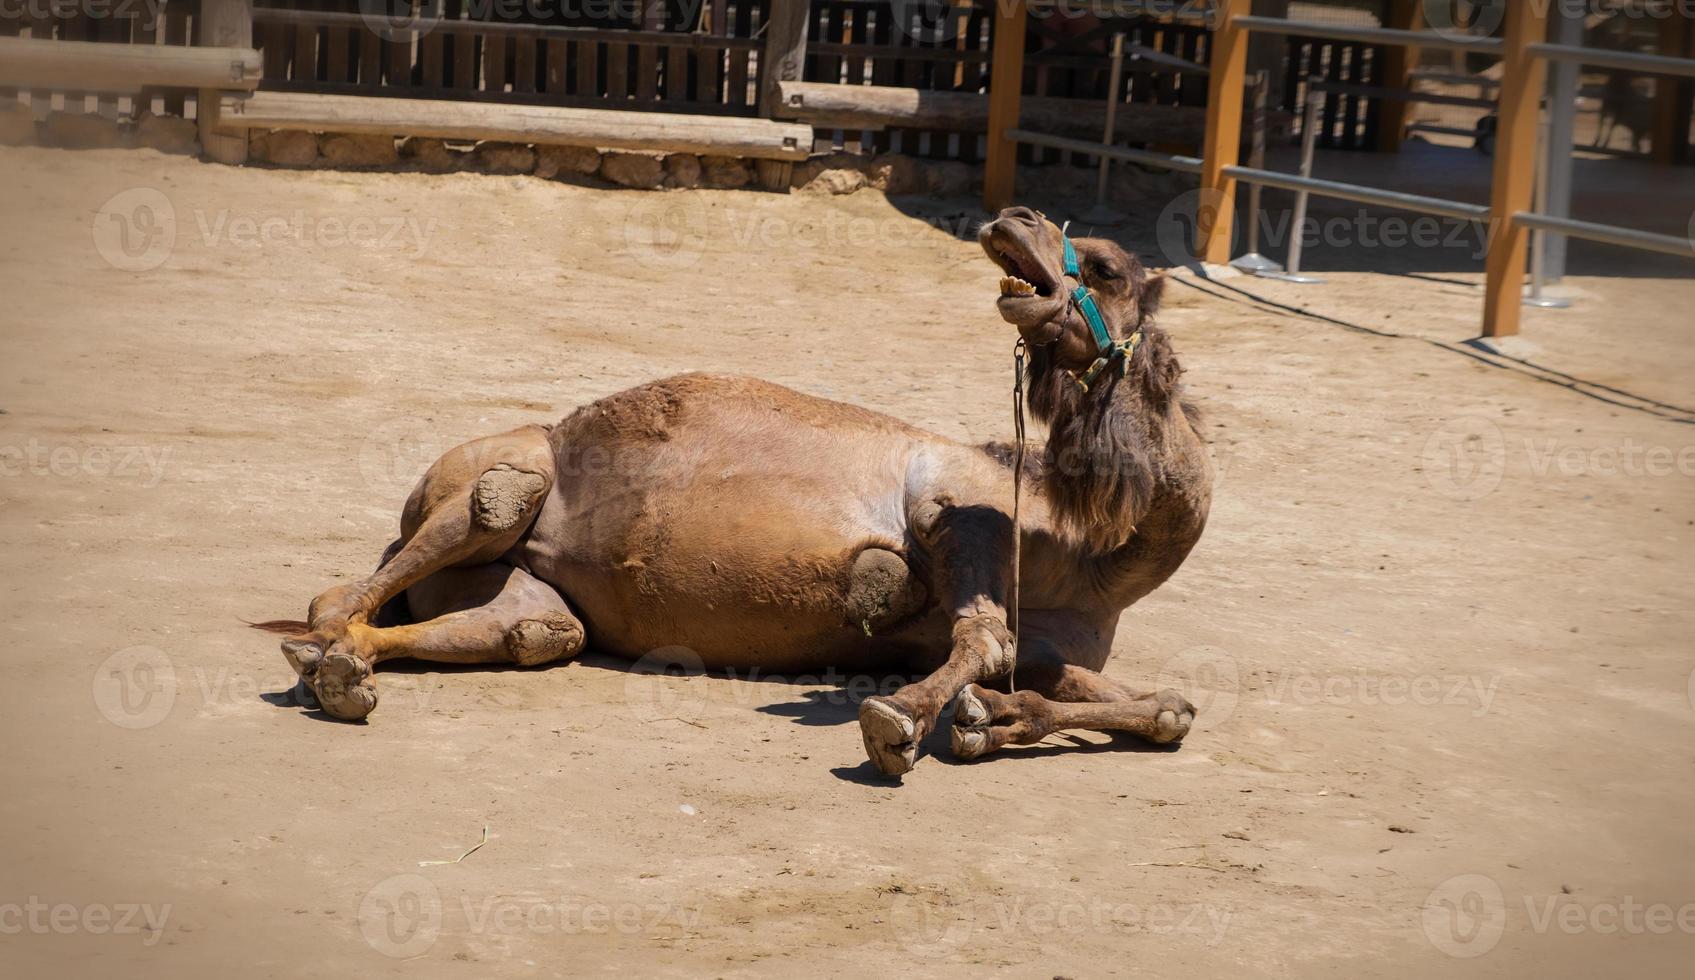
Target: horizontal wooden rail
(878, 107)
(86, 66)
(1367, 35)
(610, 128)
(449, 27)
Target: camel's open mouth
(1025, 276)
(1030, 295)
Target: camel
(764, 529)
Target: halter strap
(1085, 300)
(1108, 349)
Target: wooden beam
(609, 128)
(877, 107)
(1398, 63)
(1522, 80)
(783, 58)
(1006, 86)
(1215, 212)
(1671, 95)
(222, 24)
(89, 66)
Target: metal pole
(1252, 262)
(1539, 236)
(1562, 108)
(1100, 213)
(1298, 219)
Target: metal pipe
(1309, 148)
(1609, 234)
(1404, 95)
(1366, 195)
(1256, 157)
(1539, 236)
(1651, 64)
(1563, 80)
(1148, 158)
(1367, 35)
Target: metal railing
(1650, 64)
(1368, 35)
(1149, 158)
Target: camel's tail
(287, 627)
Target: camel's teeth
(1014, 286)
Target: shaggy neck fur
(1105, 459)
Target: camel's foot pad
(891, 736)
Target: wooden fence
(669, 56)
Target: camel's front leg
(970, 550)
(1057, 697)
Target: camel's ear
(1147, 304)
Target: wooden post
(1214, 217)
(1398, 63)
(1522, 81)
(223, 24)
(1671, 95)
(783, 59)
(1006, 85)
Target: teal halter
(1108, 349)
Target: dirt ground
(1439, 626)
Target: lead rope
(1018, 351)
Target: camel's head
(1036, 290)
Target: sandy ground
(1439, 626)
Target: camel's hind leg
(489, 614)
(1059, 697)
(470, 508)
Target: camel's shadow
(829, 700)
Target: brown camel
(765, 529)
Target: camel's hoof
(970, 743)
(1175, 716)
(304, 655)
(970, 721)
(343, 687)
(969, 711)
(891, 736)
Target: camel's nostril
(1022, 215)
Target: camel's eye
(1104, 272)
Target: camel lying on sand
(761, 528)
